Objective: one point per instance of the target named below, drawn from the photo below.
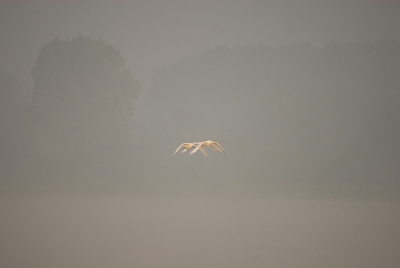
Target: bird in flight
(188, 145)
(215, 145)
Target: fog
(303, 95)
(62, 231)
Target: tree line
(298, 114)
(295, 115)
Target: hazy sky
(102, 231)
(155, 33)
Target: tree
(81, 101)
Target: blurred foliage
(82, 100)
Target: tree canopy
(82, 98)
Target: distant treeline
(326, 116)
(297, 119)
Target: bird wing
(179, 147)
(220, 148)
(215, 148)
(197, 147)
(203, 150)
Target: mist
(303, 95)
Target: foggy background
(303, 95)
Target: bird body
(188, 145)
(216, 146)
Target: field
(123, 231)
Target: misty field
(72, 231)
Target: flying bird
(215, 145)
(188, 145)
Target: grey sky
(134, 228)
(154, 33)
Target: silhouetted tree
(82, 98)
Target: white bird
(216, 146)
(188, 145)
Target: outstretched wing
(203, 150)
(179, 148)
(215, 148)
(220, 149)
(197, 147)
